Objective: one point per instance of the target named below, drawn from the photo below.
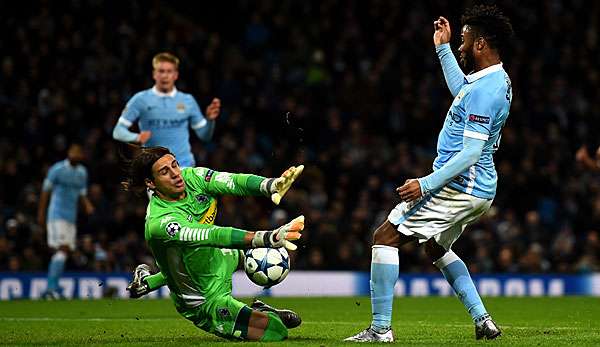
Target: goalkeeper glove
(138, 287)
(279, 237)
(277, 187)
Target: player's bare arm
(214, 109)
(144, 136)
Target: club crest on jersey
(180, 107)
(201, 198)
(479, 119)
(223, 312)
(172, 228)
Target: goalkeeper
(197, 259)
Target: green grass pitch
(326, 322)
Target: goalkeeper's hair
(165, 57)
(139, 168)
(489, 22)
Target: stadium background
(351, 89)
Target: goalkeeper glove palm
(281, 236)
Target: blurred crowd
(351, 89)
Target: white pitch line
(419, 323)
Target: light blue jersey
(67, 183)
(168, 116)
(479, 111)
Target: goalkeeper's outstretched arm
(176, 229)
(222, 183)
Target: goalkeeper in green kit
(196, 258)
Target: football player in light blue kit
(165, 114)
(65, 185)
(437, 208)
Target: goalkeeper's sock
(384, 273)
(275, 330)
(55, 270)
(457, 274)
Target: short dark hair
(489, 22)
(140, 167)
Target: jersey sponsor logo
(479, 119)
(172, 228)
(210, 215)
(164, 123)
(209, 175)
(165, 220)
(180, 107)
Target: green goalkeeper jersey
(194, 255)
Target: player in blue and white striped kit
(65, 186)
(437, 208)
(165, 114)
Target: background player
(65, 185)
(165, 114)
(197, 259)
(438, 207)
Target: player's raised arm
(204, 126)
(454, 76)
(223, 183)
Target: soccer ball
(267, 266)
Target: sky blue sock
(457, 274)
(55, 269)
(384, 274)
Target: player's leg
(439, 251)
(231, 319)
(456, 273)
(61, 238)
(266, 326)
(384, 274)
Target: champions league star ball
(267, 266)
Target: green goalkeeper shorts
(220, 312)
